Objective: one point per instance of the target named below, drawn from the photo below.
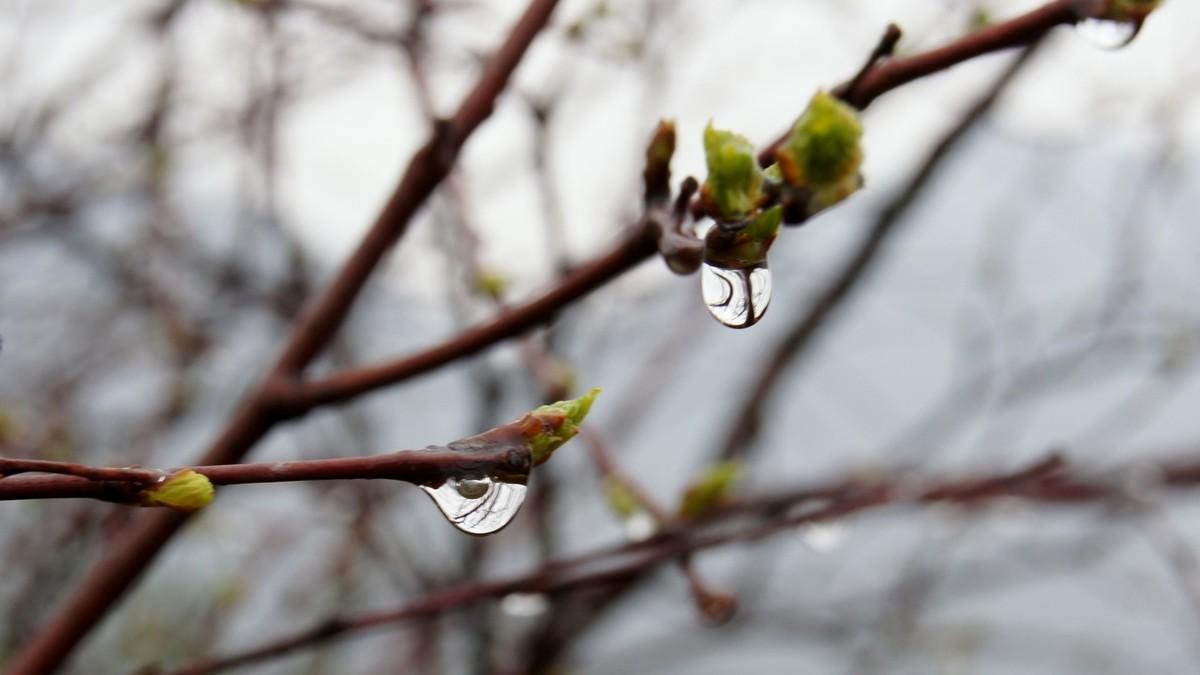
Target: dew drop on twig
(524, 605)
(477, 506)
(737, 298)
(822, 537)
(1107, 34)
(640, 526)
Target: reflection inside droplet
(737, 298)
(524, 605)
(477, 506)
(472, 489)
(1107, 34)
(822, 537)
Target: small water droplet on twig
(823, 537)
(524, 605)
(478, 505)
(1106, 33)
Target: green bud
(765, 225)
(1132, 11)
(621, 499)
(826, 196)
(184, 490)
(824, 146)
(711, 489)
(545, 429)
(491, 284)
(735, 181)
(980, 18)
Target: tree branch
(430, 466)
(1048, 481)
(632, 249)
(881, 75)
(141, 541)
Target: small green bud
(980, 18)
(735, 182)
(491, 284)
(548, 427)
(621, 499)
(711, 489)
(1132, 11)
(184, 490)
(824, 146)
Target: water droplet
(477, 506)
(737, 298)
(1107, 34)
(640, 526)
(823, 537)
(524, 605)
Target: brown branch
(1025, 29)
(430, 466)
(11, 467)
(141, 541)
(715, 606)
(1047, 481)
(634, 248)
(882, 75)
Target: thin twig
(1046, 482)
(430, 466)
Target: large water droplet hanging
(1107, 34)
(737, 298)
(477, 506)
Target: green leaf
(734, 180)
(711, 489)
(765, 225)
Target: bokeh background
(178, 177)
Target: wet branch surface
(284, 394)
